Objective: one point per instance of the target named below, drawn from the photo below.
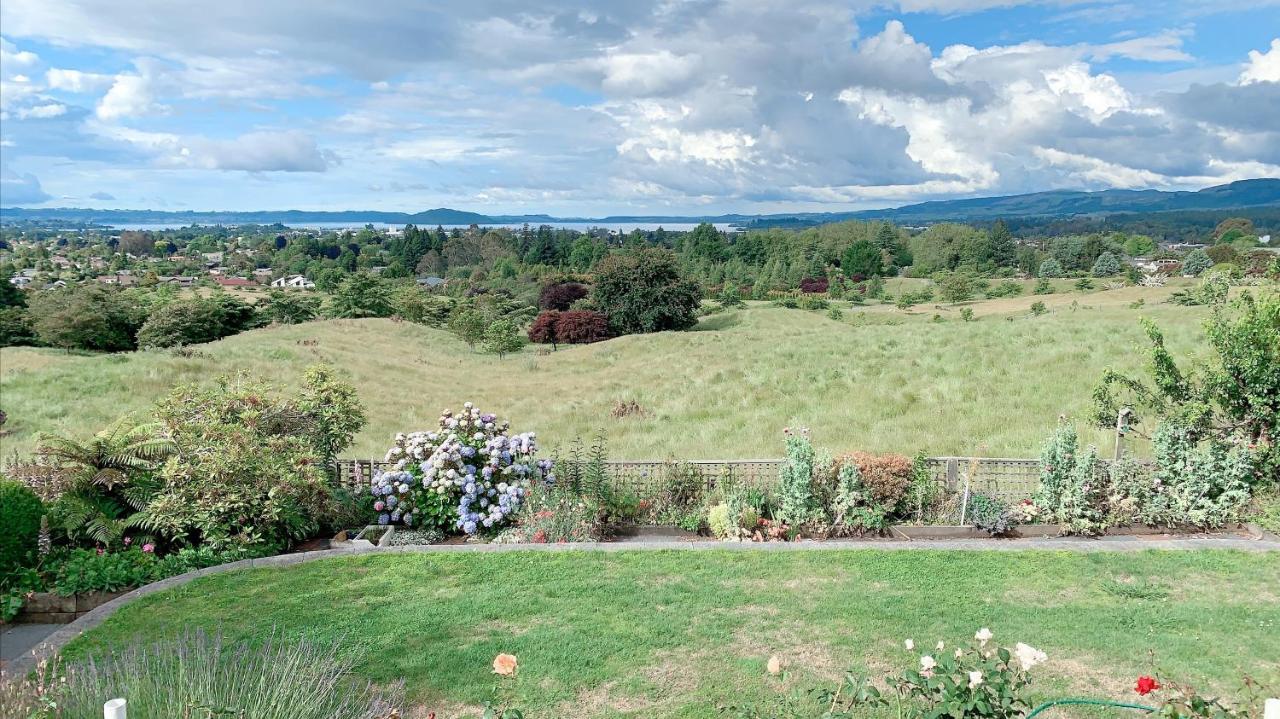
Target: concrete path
(64, 633)
(18, 639)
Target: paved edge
(60, 638)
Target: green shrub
(990, 514)
(966, 314)
(20, 513)
(645, 290)
(249, 466)
(1038, 308)
(197, 675)
(1008, 288)
(798, 504)
(721, 523)
(84, 570)
(1043, 287)
(1072, 490)
(835, 314)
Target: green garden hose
(1093, 702)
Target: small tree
(1196, 261)
(361, 295)
(469, 325)
(502, 337)
(956, 287)
(289, 308)
(1050, 268)
(1107, 265)
(543, 329)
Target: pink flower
(148, 547)
(128, 541)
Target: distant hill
(1264, 192)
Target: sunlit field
(878, 379)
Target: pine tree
(1004, 253)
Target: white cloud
(41, 112)
(76, 81)
(1100, 96)
(1262, 66)
(262, 151)
(130, 96)
(11, 57)
(645, 74)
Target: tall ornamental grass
(200, 676)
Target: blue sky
(604, 107)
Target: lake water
(623, 227)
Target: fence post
(1122, 426)
(115, 709)
(953, 469)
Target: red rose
(1146, 685)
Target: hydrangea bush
(471, 474)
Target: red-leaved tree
(580, 327)
(543, 329)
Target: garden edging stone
(60, 638)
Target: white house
(294, 282)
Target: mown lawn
(676, 633)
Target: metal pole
(115, 709)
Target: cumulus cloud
(16, 189)
(1262, 66)
(130, 96)
(764, 103)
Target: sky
(626, 107)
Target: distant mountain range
(1263, 192)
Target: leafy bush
(1071, 492)
(85, 316)
(643, 290)
(249, 466)
(361, 295)
(1107, 265)
(1195, 262)
(814, 285)
(291, 308)
(1008, 288)
(1050, 268)
(471, 461)
(798, 503)
(1043, 287)
(976, 680)
(20, 513)
(201, 675)
(577, 327)
(196, 321)
(1038, 308)
(561, 295)
(990, 514)
(85, 570)
(853, 511)
(885, 476)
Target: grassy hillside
(879, 379)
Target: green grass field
(880, 379)
(673, 634)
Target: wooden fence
(1008, 479)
